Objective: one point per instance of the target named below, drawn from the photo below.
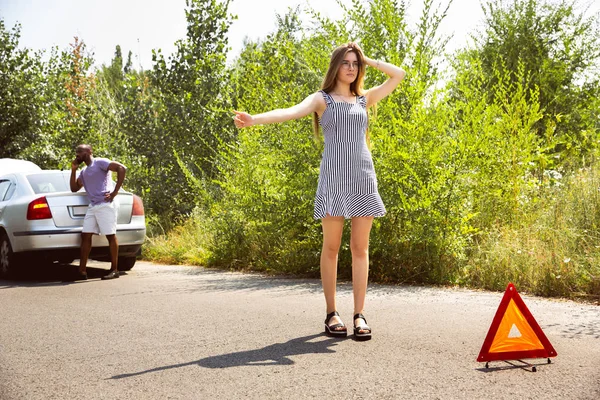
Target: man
(101, 216)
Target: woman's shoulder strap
(327, 97)
(362, 100)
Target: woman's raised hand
(354, 45)
(242, 119)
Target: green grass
(185, 244)
(554, 250)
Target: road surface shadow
(53, 275)
(514, 364)
(275, 354)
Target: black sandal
(357, 330)
(332, 330)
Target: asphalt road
(175, 332)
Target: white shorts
(101, 219)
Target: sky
(142, 25)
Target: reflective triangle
(512, 321)
(514, 333)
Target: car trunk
(68, 209)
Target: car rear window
(49, 183)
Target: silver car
(41, 219)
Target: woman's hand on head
(242, 119)
(354, 45)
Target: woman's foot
(334, 326)
(361, 329)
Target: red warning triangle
(514, 333)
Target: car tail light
(138, 206)
(39, 209)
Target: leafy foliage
(558, 48)
(20, 76)
(191, 112)
(486, 163)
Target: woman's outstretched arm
(313, 103)
(396, 75)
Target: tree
(268, 174)
(115, 72)
(20, 101)
(557, 47)
(263, 217)
(128, 65)
(68, 117)
(176, 115)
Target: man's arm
(120, 169)
(75, 182)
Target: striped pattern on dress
(347, 182)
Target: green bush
(553, 251)
(482, 156)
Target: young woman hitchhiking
(347, 185)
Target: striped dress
(347, 183)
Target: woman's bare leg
(359, 245)
(332, 237)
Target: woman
(347, 184)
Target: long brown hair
(356, 87)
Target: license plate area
(78, 211)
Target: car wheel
(7, 257)
(126, 263)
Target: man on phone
(101, 216)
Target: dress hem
(351, 216)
